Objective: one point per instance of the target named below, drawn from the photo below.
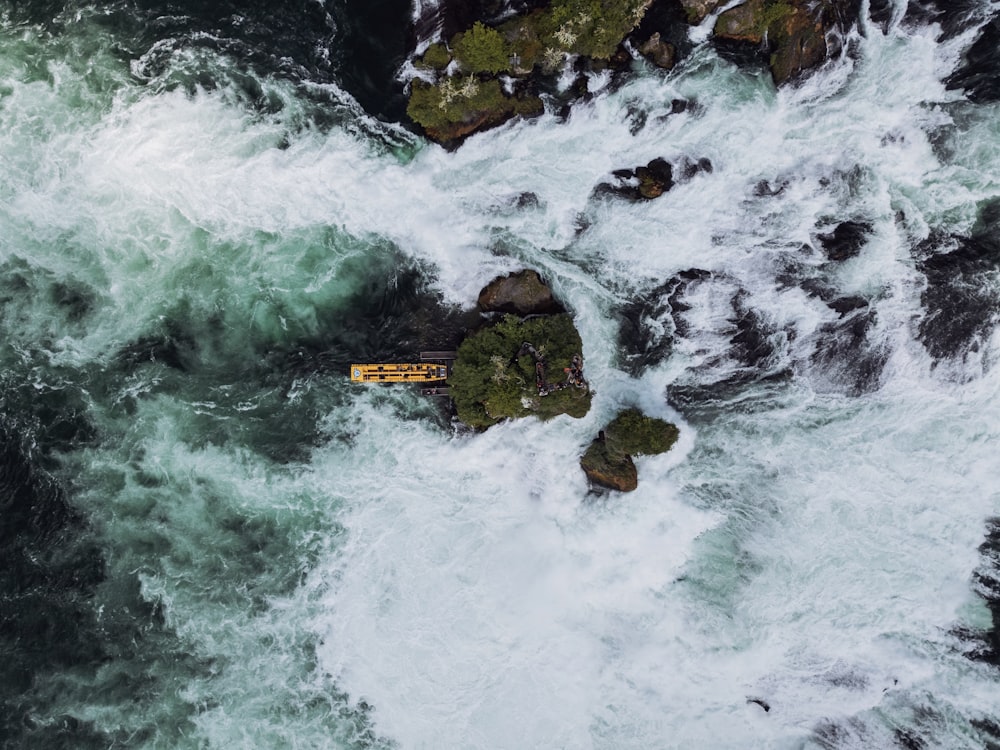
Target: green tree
(481, 49)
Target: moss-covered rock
(435, 57)
(614, 471)
(792, 34)
(521, 293)
(455, 107)
(494, 377)
(608, 460)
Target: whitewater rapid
(316, 564)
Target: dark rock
(521, 293)
(760, 702)
(655, 178)
(752, 344)
(766, 189)
(666, 20)
(647, 324)
(979, 76)
(989, 731)
(960, 303)
(953, 16)
(641, 183)
(844, 305)
(984, 644)
(881, 13)
(846, 240)
(846, 353)
(689, 168)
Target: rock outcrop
(979, 76)
(485, 75)
(793, 36)
(521, 293)
(608, 461)
(495, 69)
(652, 180)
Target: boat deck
(424, 372)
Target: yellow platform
(425, 372)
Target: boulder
(846, 240)
(791, 35)
(641, 183)
(613, 472)
(521, 293)
(658, 51)
(608, 461)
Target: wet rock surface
(979, 76)
(520, 293)
(846, 240)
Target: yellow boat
(425, 372)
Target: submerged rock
(521, 293)
(608, 461)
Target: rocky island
(526, 362)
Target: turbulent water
(210, 539)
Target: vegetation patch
(494, 378)
(457, 106)
(481, 50)
(634, 433)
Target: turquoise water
(229, 545)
